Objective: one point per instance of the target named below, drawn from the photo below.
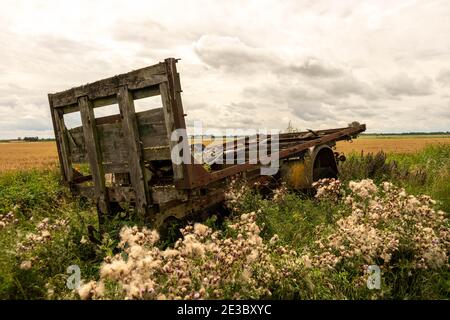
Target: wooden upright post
(135, 154)
(62, 142)
(94, 155)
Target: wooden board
(152, 134)
(134, 143)
(138, 79)
(94, 155)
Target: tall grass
(424, 172)
(32, 196)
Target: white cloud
(402, 84)
(244, 63)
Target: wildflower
(25, 265)
(201, 230)
(329, 189)
(274, 239)
(92, 289)
(306, 261)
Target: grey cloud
(230, 53)
(152, 35)
(9, 102)
(195, 105)
(404, 85)
(26, 123)
(245, 105)
(364, 111)
(277, 93)
(61, 46)
(444, 77)
(313, 67)
(310, 110)
(348, 85)
(317, 106)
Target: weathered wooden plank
(113, 151)
(167, 102)
(185, 175)
(103, 102)
(70, 108)
(64, 145)
(77, 146)
(115, 118)
(63, 150)
(115, 194)
(135, 155)
(164, 194)
(112, 142)
(145, 92)
(121, 194)
(118, 167)
(138, 79)
(94, 155)
(157, 153)
(150, 116)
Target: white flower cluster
(43, 234)
(234, 195)
(363, 188)
(280, 193)
(92, 289)
(328, 188)
(201, 265)
(7, 219)
(384, 223)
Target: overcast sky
(245, 64)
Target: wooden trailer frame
(135, 146)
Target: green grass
(35, 195)
(424, 172)
(300, 221)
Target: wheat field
(390, 144)
(28, 155)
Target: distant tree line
(34, 139)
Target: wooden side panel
(134, 149)
(77, 146)
(152, 132)
(94, 155)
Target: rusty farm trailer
(133, 149)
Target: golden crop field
(390, 144)
(27, 155)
